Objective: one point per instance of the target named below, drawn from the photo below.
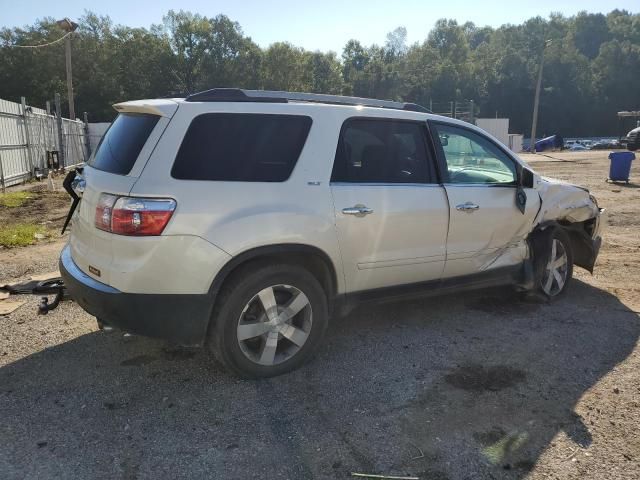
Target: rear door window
(241, 147)
(122, 143)
(382, 151)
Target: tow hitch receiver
(52, 286)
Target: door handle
(468, 207)
(357, 210)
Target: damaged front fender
(577, 212)
(562, 201)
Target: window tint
(241, 147)
(472, 158)
(121, 144)
(381, 151)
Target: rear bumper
(181, 318)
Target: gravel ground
(478, 385)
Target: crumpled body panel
(562, 201)
(559, 202)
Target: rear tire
(268, 320)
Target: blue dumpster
(620, 166)
(547, 143)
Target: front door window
(470, 158)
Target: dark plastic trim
(414, 107)
(511, 275)
(230, 95)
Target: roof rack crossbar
(270, 96)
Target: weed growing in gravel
(20, 235)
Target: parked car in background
(577, 147)
(243, 220)
(633, 139)
(606, 144)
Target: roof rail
(268, 96)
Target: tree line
(591, 66)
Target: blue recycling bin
(620, 166)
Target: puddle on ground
(138, 361)
(506, 305)
(489, 438)
(478, 378)
(178, 353)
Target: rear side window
(241, 147)
(381, 151)
(121, 145)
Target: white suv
(244, 219)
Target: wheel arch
(312, 258)
(579, 233)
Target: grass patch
(14, 199)
(20, 235)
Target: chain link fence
(33, 141)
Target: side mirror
(525, 179)
(444, 140)
(521, 199)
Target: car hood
(563, 201)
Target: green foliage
(14, 199)
(20, 235)
(591, 66)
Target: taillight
(133, 215)
(103, 211)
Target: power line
(41, 45)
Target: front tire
(555, 264)
(269, 319)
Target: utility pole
(536, 101)
(69, 27)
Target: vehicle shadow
(463, 386)
(623, 184)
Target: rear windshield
(121, 145)
(241, 147)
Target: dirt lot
(458, 387)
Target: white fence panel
(498, 127)
(26, 137)
(75, 150)
(96, 131)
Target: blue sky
(317, 25)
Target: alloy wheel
(274, 325)
(555, 272)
